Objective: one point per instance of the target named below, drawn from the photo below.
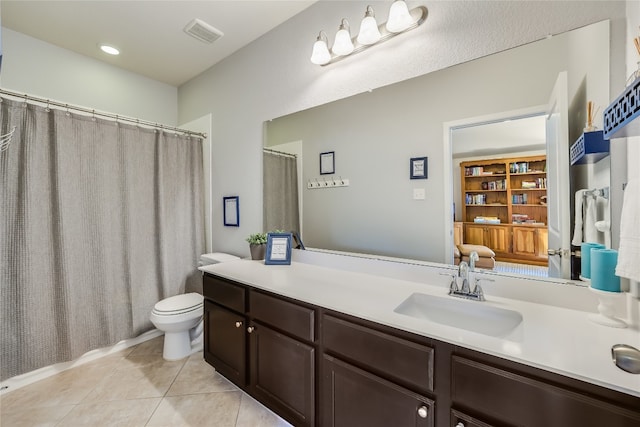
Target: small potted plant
(257, 245)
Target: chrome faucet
(473, 257)
(464, 291)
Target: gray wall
(375, 134)
(273, 77)
(41, 69)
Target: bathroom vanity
(337, 347)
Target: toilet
(180, 317)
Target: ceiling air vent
(202, 31)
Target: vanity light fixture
(343, 45)
(401, 19)
(321, 54)
(369, 33)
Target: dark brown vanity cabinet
(265, 345)
(372, 378)
(489, 391)
(282, 357)
(313, 366)
(225, 343)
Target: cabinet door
(225, 342)
(542, 242)
(524, 241)
(510, 398)
(497, 238)
(458, 238)
(353, 397)
(474, 234)
(282, 372)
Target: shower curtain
(280, 192)
(98, 221)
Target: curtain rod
(281, 153)
(115, 117)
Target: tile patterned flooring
(135, 387)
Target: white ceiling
(148, 33)
(524, 134)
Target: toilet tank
(215, 258)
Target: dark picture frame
(231, 211)
(418, 168)
(278, 249)
(327, 163)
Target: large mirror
(373, 136)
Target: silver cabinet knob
(238, 324)
(460, 424)
(423, 412)
(250, 329)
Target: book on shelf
(487, 220)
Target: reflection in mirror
(375, 134)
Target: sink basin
(470, 315)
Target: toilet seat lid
(179, 303)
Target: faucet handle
(453, 286)
(477, 290)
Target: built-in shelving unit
(504, 206)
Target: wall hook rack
(316, 183)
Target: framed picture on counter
(278, 249)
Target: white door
(558, 198)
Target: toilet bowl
(180, 318)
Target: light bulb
(369, 33)
(399, 17)
(343, 45)
(320, 54)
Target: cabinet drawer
(286, 316)
(460, 419)
(511, 398)
(224, 293)
(402, 361)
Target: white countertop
(556, 339)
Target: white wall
(633, 64)
(44, 70)
(273, 77)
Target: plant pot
(257, 251)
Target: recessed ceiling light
(109, 49)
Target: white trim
(447, 160)
(19, 381)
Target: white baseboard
(22, 380)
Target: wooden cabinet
(225, 343)
(530, 241)
(458, 233)
(314, 366)
(496, 237)
(374, 378)
(495, 393)
(355, 397)
(282, 357)
(264, 344)
(507, 191)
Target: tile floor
(135, 387)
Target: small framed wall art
(231, 211)
(418, 168)
(278, 249)
(327, 163)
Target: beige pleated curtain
(98, 221)
(280, 192)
